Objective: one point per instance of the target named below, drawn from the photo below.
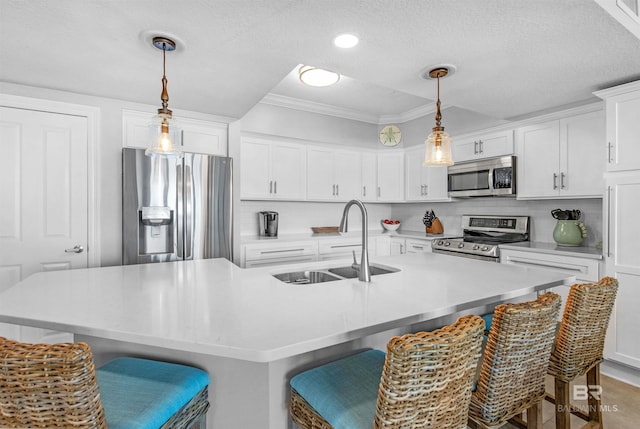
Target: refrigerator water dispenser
(155, 230)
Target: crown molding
(409, 115)
(341, 112)
(321, 108)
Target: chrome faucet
(364, 272)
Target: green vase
(567, 233)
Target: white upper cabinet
(333, 174)
(272, 170)
(390, 176)
(561, 158)
(369, 191)
(486, 145)
(623, 126)
(423, 183)
(197, 136)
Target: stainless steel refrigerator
(175, 208)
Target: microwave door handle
(490, 178)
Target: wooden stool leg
(593, 380)
(534, 416)
(562, 405)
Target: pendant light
(438, 150)
(165, 135)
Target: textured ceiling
(512, 57)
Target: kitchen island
(250, 331)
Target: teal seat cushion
(488, 320)
(144, 394)
(344, 392)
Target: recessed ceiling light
(346, 40)
(314, 76)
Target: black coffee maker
(268, 224)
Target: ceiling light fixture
(346, 40)
(166, 136)
(314, 76)
(438, 144)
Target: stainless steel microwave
(490, 177)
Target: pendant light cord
(165, 94)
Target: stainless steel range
(482, 236)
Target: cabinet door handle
(561, 180)
(475, 147)
(378, 191)
(364, 191)
(275, 186)
(266, 252)
(271, 186)
(608, 221)
(609, 152)
(481, 146)
(555, 181)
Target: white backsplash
(541, 227)
(299, 217)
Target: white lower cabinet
(398, 246)
(267, 254)
(585, 269)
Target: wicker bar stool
(515, 362)
(57, 386)
(424, 381)
(579, 345)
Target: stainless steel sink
(330, 275)
(306, 277)
(350, 273)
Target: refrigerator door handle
(189, 213)
(180, 210)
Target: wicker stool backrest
(516, 358)
(427, 377)
(48, 386)
(580, 340)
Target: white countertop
(554, 249)
(216, 308)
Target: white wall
(542, 224)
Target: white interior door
(43, 200)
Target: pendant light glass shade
(438, 144)
(438, 150)
(166, 138)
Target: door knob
(76, 249)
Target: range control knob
(447, 243)
(460, 245)
(440, 242)
(485, 248)
(476, 247)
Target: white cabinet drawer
(418, 246)
(280, 250)
(584, 269)
(344, 248)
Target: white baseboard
(621, 372)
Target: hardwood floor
(620, 401)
